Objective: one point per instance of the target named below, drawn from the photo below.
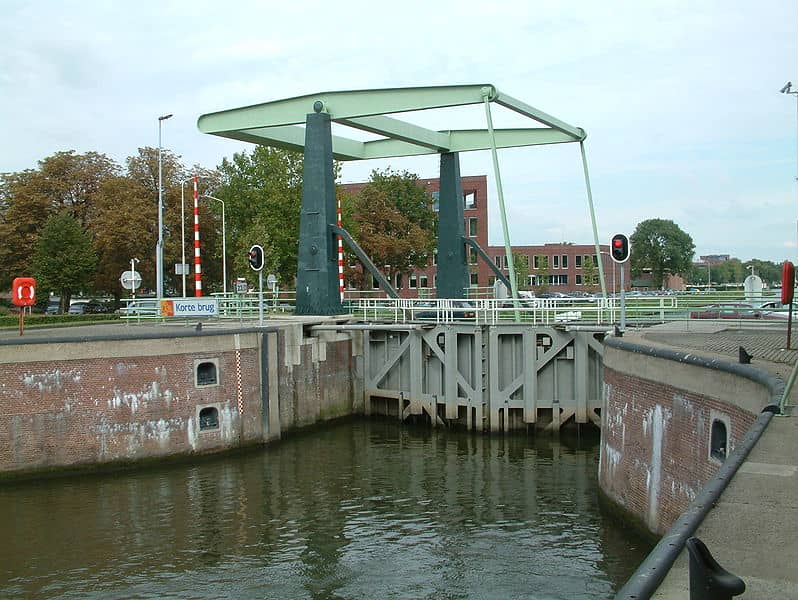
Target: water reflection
(358, 510)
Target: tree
(590, 273)
(394, 222)
(543, 272)
(124, 227)
(521, 266)
(63, 261)
(659, 245)
(262, 192)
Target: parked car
(81, 307)
(457, 310)
(52, 308)
(141, 307)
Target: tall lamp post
(159, 247)
(788, 89)
(224, 244)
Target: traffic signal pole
(623, 301)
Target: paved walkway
(753, 529)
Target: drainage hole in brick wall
(719, 440)
(206, 374)
(209, 418)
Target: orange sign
(167, 308)
(23, 291)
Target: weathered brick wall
(656, 430)
(69, 404)
(133, 406)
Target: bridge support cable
(507, 246)
(593, 222)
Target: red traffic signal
(256, 258)
(619, 248)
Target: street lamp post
(159, 247)
(788, 89)
(224, 244)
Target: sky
(680, 99)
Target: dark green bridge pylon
(279, 124)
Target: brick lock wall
(97, 410)
(655, 445)
(315, 379)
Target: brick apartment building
(566, 261)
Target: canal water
(361, 509)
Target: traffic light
(256, 258)
(619, 248)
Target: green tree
(521, 266)
(659, 245)
(394, 222)
(124, 227)
(63, 260)
(262, 191)
(590, 273)
(544, 273)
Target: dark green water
(356, 510)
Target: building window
(473, 257)
(472, 226)
(399, 281)
(491, 280)
(413, 281)
(474, 277)
(374, 283)
(536, 261)
(564, 261)
(470, 199)
(719, 440)
(498, 261)
(555, 263)
(436, 201)
(435, 280)
(423, 282)
(578, 261)
(208, 418)
(434, 258)
(578, 279)
(506, 262)
(206, 372)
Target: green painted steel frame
(278, 123)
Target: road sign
(271, 281)
(242, 287)
(130, 280)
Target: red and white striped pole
(197, 266)
(340, 254)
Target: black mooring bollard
(708, 580)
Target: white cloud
(679, 99)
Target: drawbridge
(304, 123)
